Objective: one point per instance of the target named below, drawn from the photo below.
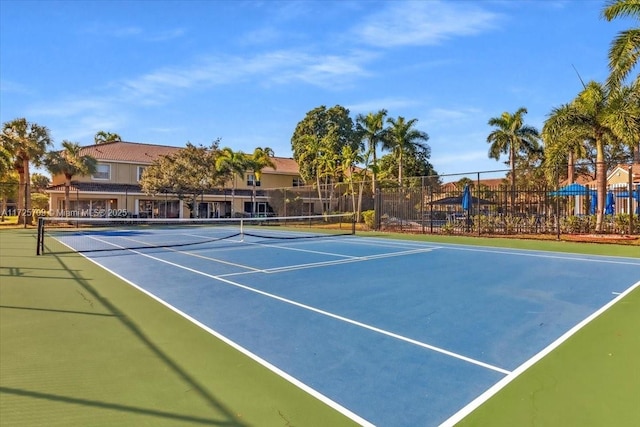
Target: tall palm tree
(402, 138)
(351, 156)
(260, 159)
(69, 162)
(624, 52)
(371, 129)
(236, 163)
(27, 142)
(601, 116)
(511, 136)
(102, 137)
(561, 145)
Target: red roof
(135, 152)
(129, 152)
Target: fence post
(630, 200)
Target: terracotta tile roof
(284, 165)
(134, 152)
(129, 152)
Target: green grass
(80, 347)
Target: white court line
(456, 418)
(605, 259)
(343, 261)
(349, 258)
(293, 380)
(220, 261)
(329, 314)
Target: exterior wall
(120, 173)
(618, 178)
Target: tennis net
(65, 234)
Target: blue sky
(247, 72)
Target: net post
(353, 222)
(40, 237)
(242, 229)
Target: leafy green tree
(416, 164)
(27, 143)
(39, 182)
(8, 189)
(625, 48)
(6, 161)
(511, 136)
(404, 140)
(370, 128)
(187, 174)
(102, 137)
(317, 144)
(603, 117)
(69, 162)
(260, 159)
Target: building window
(102, 172)
(251, 180)
(140, 171)
(298, 182)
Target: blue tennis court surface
(392, 333)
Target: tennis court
(389, 332)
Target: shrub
(369, 218)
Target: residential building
(114, 189)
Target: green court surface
(81, 347)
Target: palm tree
(371, 128)
(351, 156)
(625, 48)
(103, 137)
(70, 162)
(512, 136)
(27, 143)
(260, 159)
(236, 163)
(560, 145)
(403, 139)
(602, 117)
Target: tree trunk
(571, 169)
(20, 199)
(512, 162)
(27, 192)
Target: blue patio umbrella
(572, 190)
(611, 204)
(467, 201)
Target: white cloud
(388, 104)
(419, 23)
(278, 67)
